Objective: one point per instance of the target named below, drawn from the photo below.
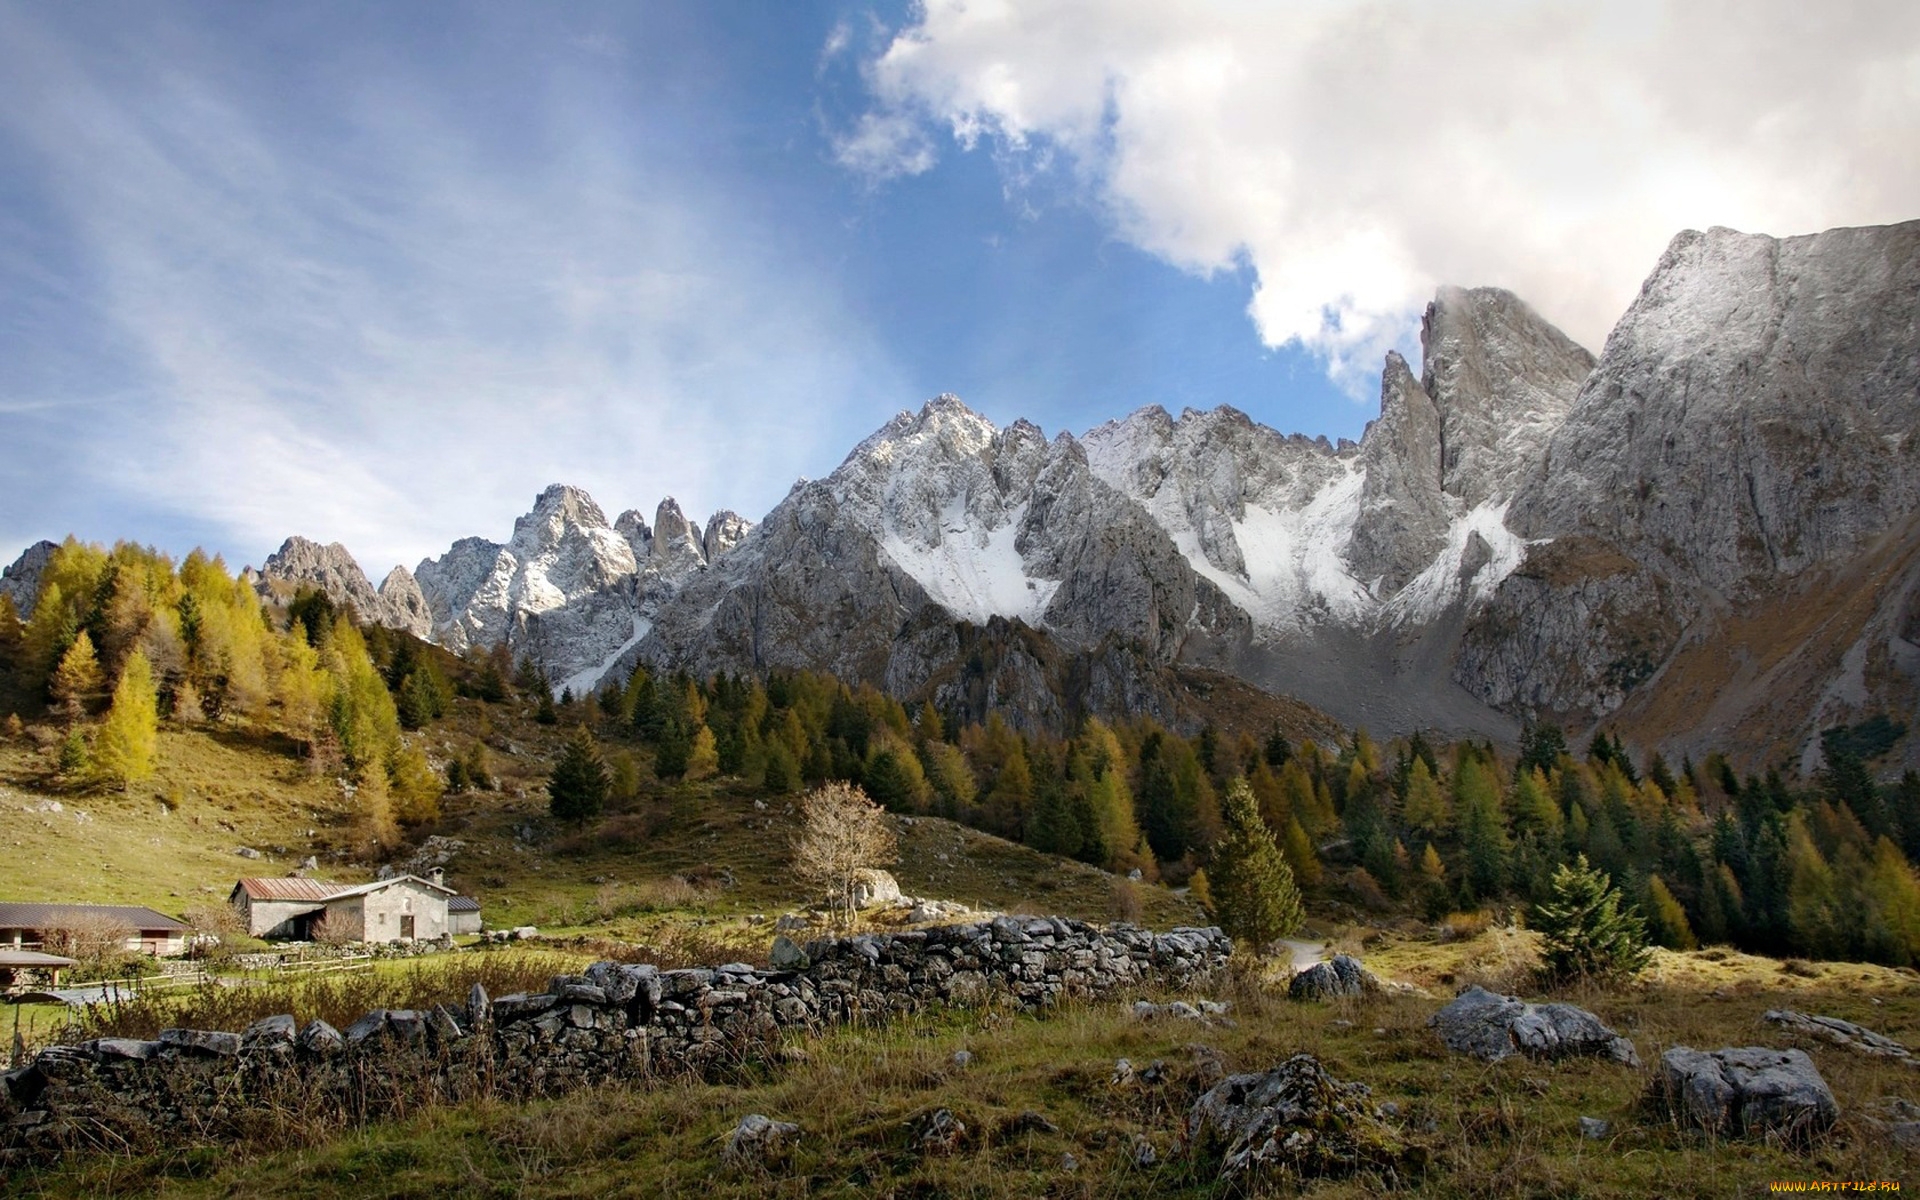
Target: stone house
(463, 915)
(405, 907)
(25, 926)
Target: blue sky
(377, 273)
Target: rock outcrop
(1492, 1027)
(568, 589)
(1295, 1121)
(21, 580)
(1835, 1032)
(1751, 422)
(1746, 1092)
(1339, 978)
(332, 570)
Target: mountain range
(1704, 537)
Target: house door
(406, 926)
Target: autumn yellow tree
(124, 751)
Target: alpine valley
(1708, 536)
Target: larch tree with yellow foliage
(124, 751)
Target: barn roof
(289, 887)
(463, 904)
(29, 915)
(319, 891)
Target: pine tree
(77, 681)
(1666, 920)
(373, 804)
(577, 789)
(703, 756)
(1425, 809)
(1253, 890)
(1587, 934)
(125, 749)
(1433, 882)
(1300, 855)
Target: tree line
(1769, 862)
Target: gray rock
(941, 1132)
(201, 1041)
(133, 1049)
(1747, 1091)
(371, 1025)
(1834, 1031)
(269, 1031)
(479, 1007)
(247, 852)
(1492, 1027)
(874, 888)
(20, 582)
(1594, 1129)
(758, 1138)
(1291, 1122)
(1751, 421)
(1403, 519)
(1339, 978)
(786, 954)
(321, 1038)
(332, 570)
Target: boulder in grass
(1834, 1031)
(1339, 978)
(1295, 1121)
(1492, 1027)
(758, 1138)
(1748, 1091)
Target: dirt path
(1304, 954)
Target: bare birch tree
(841, 833)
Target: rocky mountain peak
(329, 568)
(558, 512)
(1502, 379)
(725, 530)
(21, 580)
(404, 605)
(632, 525)
(676, 540)
(1403, 519)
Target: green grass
(1509, 1130)
(171, 842)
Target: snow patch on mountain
(971, 572)
(1480, 553)
(584, 681)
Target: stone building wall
(613, 1022)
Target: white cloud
(1355, 155)
(396, 338)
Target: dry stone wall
(613, 1022)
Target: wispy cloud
(373, 321)
(1356, 155)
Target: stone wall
(613, 1022)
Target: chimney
(437, 877)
